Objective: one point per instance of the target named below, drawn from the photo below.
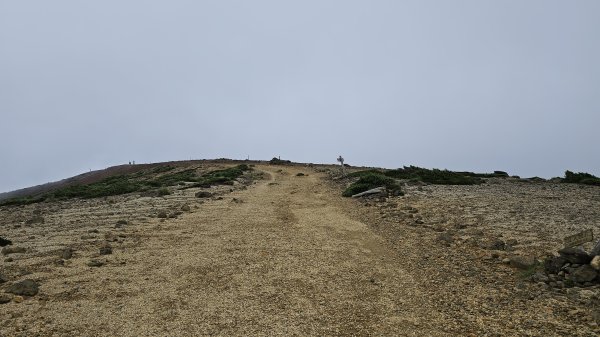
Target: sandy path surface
(283, 258)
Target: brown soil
(285, 256)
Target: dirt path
(285, 258)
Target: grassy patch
(138, 182)
(370, 181)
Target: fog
(463, 85)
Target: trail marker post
(341, 161)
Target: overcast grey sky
(466, 85)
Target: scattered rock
(300, 174)
(95, 263)
(25, 288)
(4, 242)
(584, 274)
(554, 264)
(13, 250)
(595, 262)
(9, 259)
(3, 279)
(18, 299)
(203, 194)
(122, 222)
(186, 208)
(596, 250)
(162, 215)
(446, 238)
(522, 262)
(5, 298)
(575, 255)
(66, 253)
(506, 260)
(419, 221)
(237, 201)
(106, 250)
(540, 277)
(494, 244)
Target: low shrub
(581, 178)
(434, 176)
(370, 181)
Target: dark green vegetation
(277, 161)
(372, 180)
(581, 178)
(143, 181)
(434, 176)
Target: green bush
(163, 191)
(372, 180)
(434, 176)
(581, 178)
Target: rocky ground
(482, 250)
(287, 255)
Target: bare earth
(289, 256)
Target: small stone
(95, 263)
(26, 287)
(66, 253)
(122, 222)
(3, 278)
(162, 215)
(445, 238)
(595, 262)
(5, 298)
(18, 299)
(203, 194)
(506, 260)
(9, 259)
(4, 242)
(186, 208)
(105, 250)
(419, 221)
(494, 244)
(522, 262)
(13, 250)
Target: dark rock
(162, 215)
(186, 208)
(419, 221)
(13, 250)
(4, 242)
(584, 274)
(575, 255)
(105, 250)
(24, 288)
(522, 262)
(95, 263)
(122, 222)
(9, 259)
(203, 194)
(5, 298)
(494, 244)
(66, 253)
(3, 278)
(554, 264)
(596, 250)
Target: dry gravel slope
(287, 256)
